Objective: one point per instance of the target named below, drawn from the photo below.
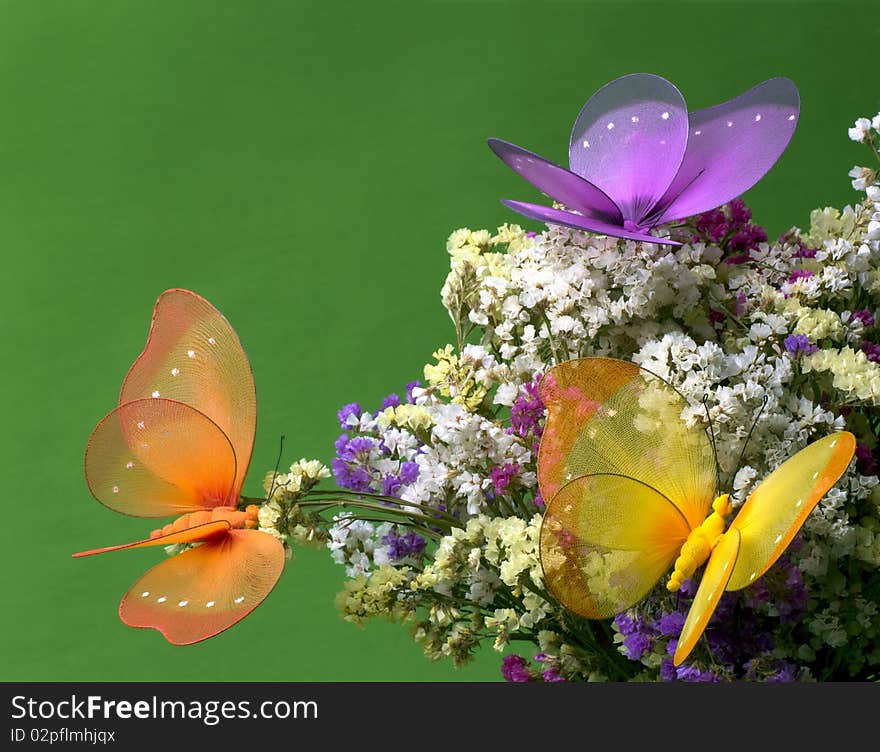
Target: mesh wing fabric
(194, 356)
(156, 458)
(205, 590)
(605, 541)
(610, 416)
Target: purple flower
(740, 214)
(804, 252)
(392, 400)
(502, 475)
(798, 344)
(531, 234)
(527, 410)
(667, 670)
(865, 316)
(353, 478)
(514, 669)
(636, 644)
(402, 546)
(671, 624)
(409, 471)
(625, 624)
(552, 675)
(391, 485)
(352, 410)
(865, 459)
(797, 274)
(872, 351)
(716, 317)
(409, 391)
(693, 674)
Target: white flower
(860, 131)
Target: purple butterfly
(639, 160)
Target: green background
(301, 165)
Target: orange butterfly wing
(611, 416)
(205, 590)
(605, 541)
(194, 356)
(156, 458)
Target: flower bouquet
(632, 336)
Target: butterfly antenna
(748, 437)
(712, 439)
(275, 471)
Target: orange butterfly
(630, 486)
(180, 443)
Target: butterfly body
(179, 444)
(630, 486)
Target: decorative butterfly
(631, 484)
(179, 443)
(639, 160)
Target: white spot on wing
(182, 603)
(212, 341)
(239, 599)
(698, 133)
(175, 371)
(141, 424)
(586, 144)
(729, 124)
(635, 118)
(610, 126)
(752, 576)
(210, 604)
(758, 118)
(156, 393)
(161, 600)
(815, 475)
(190, 353)
(791, 117)
(115, 489)
(145, 593)
(726, 565)
(665, 116)
(778, 538)
(799, 502)
(833, 444)
(129, 465)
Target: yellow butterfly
(630, 486)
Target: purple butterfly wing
(629, 140)
(579, 222)
(731, 147)
(557, 182)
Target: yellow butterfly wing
(777, 508)
(610, 416)
(715, 578)
(605, 541)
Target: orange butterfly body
(630, 486)
(179, 443)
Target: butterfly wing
(194, 356)
(580, 222)
(629, 139)
(605, 541)
(196, 533)
(157, 458)
(712, 584)
(610, 416)
(731, 147)
(778, 507)
(557, 182)
(203, 591)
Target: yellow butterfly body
(630, 485)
